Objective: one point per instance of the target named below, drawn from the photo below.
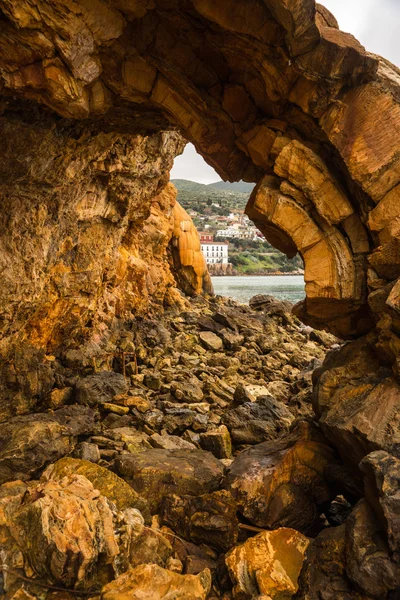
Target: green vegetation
(248, 257)
(257, 257)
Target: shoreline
(259, 275)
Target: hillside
(236, 186)
(208, 203)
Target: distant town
(230, 242)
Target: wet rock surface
(200, 470)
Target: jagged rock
(28, 443)
(348, 392)
(350, 561)
(151, 582)
(368, 563)
(382, 491)
(207, 519)
(231, 340)
(217, 441)
(255, 422)
(270, 305)
(281, 483)
(109, 485)
(210, 340)
(130, 438)
(268, 564)
(100, 388)
(323, 574)
(156, 473)
(69, 534)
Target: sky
(375, 23)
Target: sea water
(242, 288)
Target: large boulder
(323, 575)
(382, 491)
(281, 483)
(358, 403)
(256, 422)
(207, 519)
(151, 582)
(67, 533)
(267, 565)
(108, 483)
(351, 561)
(156, 473)
(29, 442)
(368, 561)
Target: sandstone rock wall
(86, 221)
(294, 104)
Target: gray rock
(210, 340)
(100, 388)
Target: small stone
(217, 441)
(174, 564)
(88, 451)
(139, 403)
(60, 397)
(115, 408)
(153, 382)
(170, 442)
(210, 340)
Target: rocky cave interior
(101, 266)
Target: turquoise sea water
(285, 287)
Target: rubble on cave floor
(195, 466)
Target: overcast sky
(375, 23)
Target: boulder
(382, 491)
(323, 575)
(151, 582)
(255, 422)
(157, 473)
(108, 483)
(69, 534)
(358, 405)
(207, 519)
(100, 388)
(268, 564)
(270, 305)
(29, 442)
(217, 441)
(281, 483)
(368, 562)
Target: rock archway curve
(269, 91)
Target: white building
(215, 252)
(229, 232)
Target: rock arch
(268, 91)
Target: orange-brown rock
(267, 565)
(281, 483)
(295, 98)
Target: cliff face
(294, 104)
(86, 220)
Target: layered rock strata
(294, 104)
